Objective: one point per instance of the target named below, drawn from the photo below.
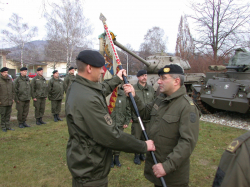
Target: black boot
(25, 124)
(142, 157)
(59, 119)
(55, 118)
(116, 161)
(112, 162)
(41, 121)
(21, 125)
(137, 159)
(38, 121)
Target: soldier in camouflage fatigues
(121, 116)
(7, 95)
(69, 78)
(146, 93)
(55, 90)
(39, 92)
(22, 97)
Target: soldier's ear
(89, 68)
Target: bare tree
(66, 24)
(185, 42)
(19, 33)
(154, 41)
(220, 25)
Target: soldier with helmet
(174, 127)
(22, 97)
(39, 93)
(55, 95)
(7, 94)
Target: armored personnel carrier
(159, 60)
(228, 90)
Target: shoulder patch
(193, 117)
(233, 146)
(108, 119)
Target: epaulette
(190, 101)
(236, 143)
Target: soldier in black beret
(174, 127)
(39, 93)
(22, 98)
(146, 93)
(55, 71)
(69, 78)
(90, 126)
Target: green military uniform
(174, 128)
(92, 134)
(68, 81)
(55, 91)
(234, 167)
(146, 94)
(22, 97)
(39, 90)
(7, 95)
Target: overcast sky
(128, 19)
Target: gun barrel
(234, 67)
(131, 53)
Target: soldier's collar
(142, 87)
(86, 82)
(181, 91)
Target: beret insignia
(166, 70)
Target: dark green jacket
(22, 88)
(121, 114)
(174, 128)
(146, 94)
(68, 81)
(234, 167)
(39, 87)
(55, 89)
(92, 134)
(7, 92)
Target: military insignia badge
(233, 146)
(156, 106)
(108, 119)
(191, 102)
(166, 70)
(192, 117)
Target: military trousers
(115, 152)
(100, 183)
(136, 130)
(22, 108)
(5, 112)
(39, 105)
(56, 106)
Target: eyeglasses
(162, 77)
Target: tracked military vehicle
(159, 60)
(228, 90)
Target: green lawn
(36, 156)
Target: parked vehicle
(229, 90)
(18, 75)
(62, 75)
(32, 75)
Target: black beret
(171, 69)
(23, 68)
(39, 69)
(93, 58)
(4, 69)
(71, 68)
(55, 71)
(141, 72)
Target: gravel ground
(232, 119)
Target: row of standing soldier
(21, 91)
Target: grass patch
(36, 156)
